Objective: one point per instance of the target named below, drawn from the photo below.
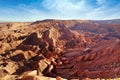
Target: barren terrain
(60, 50)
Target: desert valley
(60, 50)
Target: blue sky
(32, 10)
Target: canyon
(60, 50)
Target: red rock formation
(72, 49)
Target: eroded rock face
(74, 49)
(32, 75)
(102, 62)
(54, 39)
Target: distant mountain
(113, 21)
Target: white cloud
(67, 8)
(105, 12)
(101, 2)
(61, 6)
(62, 9)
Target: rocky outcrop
(53, 39)
(100, 62)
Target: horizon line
(63, 19)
